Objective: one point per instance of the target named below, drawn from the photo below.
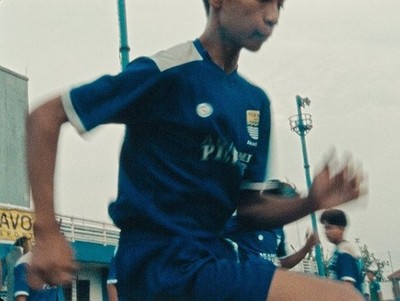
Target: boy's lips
(261, 36)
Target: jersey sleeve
(347, 268)
(112, 98)
(21, 287)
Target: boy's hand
(312, 239)
(328, 191)
(52, 261)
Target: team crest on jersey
(253, 120)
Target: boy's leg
(300, 287)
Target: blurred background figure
(22, 289)
(374, 287)
(21, 247)
(269, 244)
(345, 263)
(112, 280)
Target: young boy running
(195, 150)
(344, 265)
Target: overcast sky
(343, 55)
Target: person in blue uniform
(270, 244)
(195, 150)
(374, 286)
(22, 246)
(24, 292)
(345, 262)
(112, 290)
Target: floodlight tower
(302, 124)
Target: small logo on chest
(253, 121)
(204, 109)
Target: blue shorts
(186, 270)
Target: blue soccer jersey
(374, 289)
(21, 286)
(194, 137)
(267, 244)
(344, 264)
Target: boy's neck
(223, 55)
(340, 241)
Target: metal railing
(80, 229)
(309, 266)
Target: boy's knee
(352, 293)
(308, 288)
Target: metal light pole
(302, 124)
(124, 47)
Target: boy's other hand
(330, 188)
(52, 261)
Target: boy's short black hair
(334, 217)
(20, 241)
(207, 6)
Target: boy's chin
(253, 47)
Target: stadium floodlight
(301, 124)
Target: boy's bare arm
(294, 259)
(267, 211)
(112, 292)
(52, 260)
(43, 128)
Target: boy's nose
(271, 13)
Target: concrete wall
(13, 109)
(387, 292)
(97, 277)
